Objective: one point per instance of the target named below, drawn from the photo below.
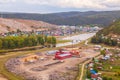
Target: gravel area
(38, 71)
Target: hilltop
(7, 25)
(114, 28)
(69, 18)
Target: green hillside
(107, 35)
(114, 28)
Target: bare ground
(61, 71)
(2, 78)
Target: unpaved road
(83, 66)
(2, 78)
(76, 39)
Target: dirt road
(2, 78)
(83, 66)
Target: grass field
(113, 72)
(111, 68)
(63, 41)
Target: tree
(105, 78)
(97, 39)
(49, 41)
(107, 41)
(45, 38)
(102, 52)
(19, 41)
(53, 42)
(34, 40)
(40, 40)
(11, 44)
(114, 42)
(0, 44)
(23, 41)
(88, 74)
(119, 45)
(5, 43)
(18, 30)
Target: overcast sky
(51, 6)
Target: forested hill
(70, 18)
(114, 28)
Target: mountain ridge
(70, 18)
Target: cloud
(112, 3)
(94, 4)
(81, 4)
(68, 3)
(58, 5)
(6, 1)
(40, 2)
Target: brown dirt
(2, 78)
(60, 68)
(7, 25)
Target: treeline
(105, 40)
(12, 42)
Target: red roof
(94, 76)
(62, 55)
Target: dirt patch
(37, 69)
(2, 78)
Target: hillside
(7, 25)
(109, 36)
(70, 18)
(114, 28)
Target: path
(83, 66)
(82, 69)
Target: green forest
(12, 42)
(105, 40)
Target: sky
(53, 6)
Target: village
(104, 67)
(60, 30)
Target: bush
(105, 78)
(88, 74)
(119, 45)
(110, 79)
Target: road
(2, 78)
(76, 39)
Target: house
(93, 72)
(94, 76)
(62, 55)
